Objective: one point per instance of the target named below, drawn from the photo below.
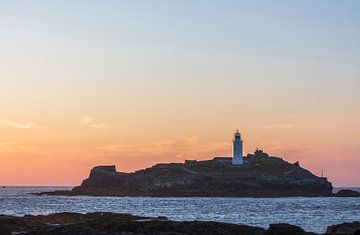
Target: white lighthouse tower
(237, 149)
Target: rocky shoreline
(341, 193)
(111, 223)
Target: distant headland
(256, 175)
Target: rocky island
(260, 175)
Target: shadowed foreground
(110, 223)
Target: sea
(312, 214)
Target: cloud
(277, 126)
(85, 120)
(100, 126)
(181, 147)
(12, 147)
(89, 121)
(18, 125)
(5, 145)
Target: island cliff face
(261, 176)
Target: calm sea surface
(312, 214)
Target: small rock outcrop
(285, 229)
(347, 193)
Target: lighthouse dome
(237, 134)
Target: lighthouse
(237, 149)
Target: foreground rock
(285, 229)
(262, 176)
(110, 223)
(345, 229)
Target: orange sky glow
(132, 85)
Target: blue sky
(326, 30)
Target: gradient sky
(133, 83)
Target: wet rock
(285, 229)
(126, 224)
(111, 223)
(4, 230)
(344, 229)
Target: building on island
(237, 157)
(237, 150)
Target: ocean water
(312, 214)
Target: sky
(134, 83)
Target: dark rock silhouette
(347, 193)
(110, 223)
(262, 176)
(344, 229)
(285, 229)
